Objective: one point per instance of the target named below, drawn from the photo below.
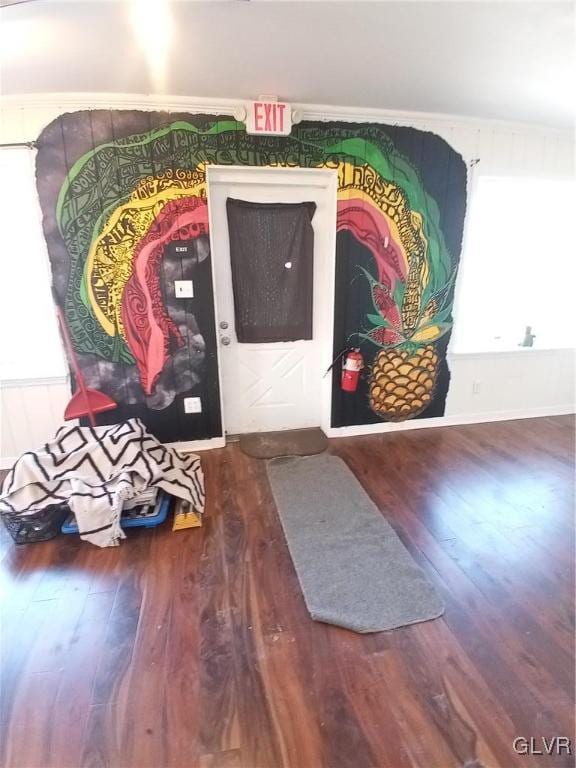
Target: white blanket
(94, 471)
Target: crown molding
(322, 112)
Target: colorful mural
(117, 188)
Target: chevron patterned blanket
(94, 470)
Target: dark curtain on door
(272, 259)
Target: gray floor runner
(353, 569)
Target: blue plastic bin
(147, 521)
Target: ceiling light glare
(153, 27)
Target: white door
(273, 386)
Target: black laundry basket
(37, 526)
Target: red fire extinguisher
(351, 366)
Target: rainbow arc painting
(123, 193)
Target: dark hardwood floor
(195, 648)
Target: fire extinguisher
(352, 365)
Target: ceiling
(502, 60)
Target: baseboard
(191, 446)
(450, 421)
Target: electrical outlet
(192, 405)
(475, 387)
(184, 289)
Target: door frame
(325, 179)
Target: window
(29, 343)
(518, 266)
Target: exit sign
(269, 118)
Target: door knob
(225, 340)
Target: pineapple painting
(404, 373)
(385, 206)
(402, 382)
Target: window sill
(30, 381)
(511, 352)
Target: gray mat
(353, 569)
(292, 442)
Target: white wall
(30, 412)
(484, 386)
(508, 385)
